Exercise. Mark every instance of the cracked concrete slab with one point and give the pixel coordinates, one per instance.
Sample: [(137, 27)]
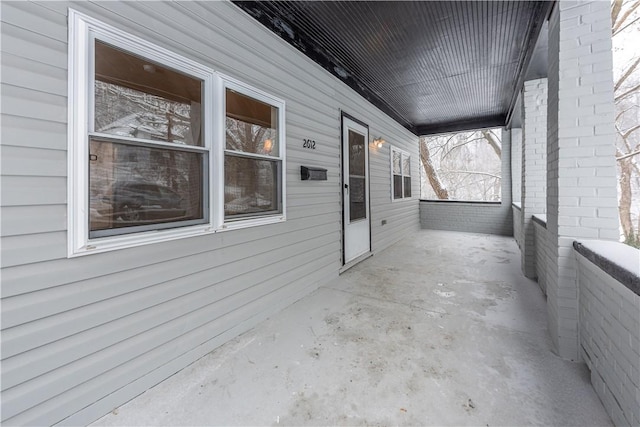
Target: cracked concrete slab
[(440, 329)]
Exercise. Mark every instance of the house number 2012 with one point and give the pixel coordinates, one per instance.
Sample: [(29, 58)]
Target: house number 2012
[(309, 143)]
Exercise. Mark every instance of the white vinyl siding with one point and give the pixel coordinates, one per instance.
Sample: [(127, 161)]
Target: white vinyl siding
[(84, 335)]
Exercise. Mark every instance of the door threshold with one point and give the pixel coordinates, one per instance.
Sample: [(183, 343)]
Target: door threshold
[(355, 261)]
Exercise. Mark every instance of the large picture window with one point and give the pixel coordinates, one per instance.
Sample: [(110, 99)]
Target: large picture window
[(162, 147)]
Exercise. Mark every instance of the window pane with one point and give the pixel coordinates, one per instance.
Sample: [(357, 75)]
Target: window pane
[(397, 187), (406, 165), (252, 126), (250, 186), (396, 162), (356, 153), (407, 186), (138, 98), (357, 198), (135, 186)]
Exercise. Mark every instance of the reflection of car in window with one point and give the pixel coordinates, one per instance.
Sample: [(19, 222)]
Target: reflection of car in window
[(140, 202)]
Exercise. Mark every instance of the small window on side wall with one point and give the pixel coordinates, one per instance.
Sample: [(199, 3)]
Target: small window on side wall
[(400, 174)]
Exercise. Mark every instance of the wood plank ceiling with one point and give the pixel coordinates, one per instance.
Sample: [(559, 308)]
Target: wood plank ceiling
[(433, 66)]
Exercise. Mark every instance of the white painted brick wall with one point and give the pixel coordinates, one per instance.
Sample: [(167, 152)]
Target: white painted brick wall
[(579, 129), (610, 341), (516, 164), (534, 167), (517, 226), (468, 217), (542, 254)]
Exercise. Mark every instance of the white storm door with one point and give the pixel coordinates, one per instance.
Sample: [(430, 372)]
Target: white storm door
[(355, 180)]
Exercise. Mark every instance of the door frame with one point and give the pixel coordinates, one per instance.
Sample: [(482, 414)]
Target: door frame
[(344, 115)]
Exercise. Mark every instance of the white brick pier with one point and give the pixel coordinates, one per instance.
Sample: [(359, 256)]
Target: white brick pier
[(581, 173), (534, 167)]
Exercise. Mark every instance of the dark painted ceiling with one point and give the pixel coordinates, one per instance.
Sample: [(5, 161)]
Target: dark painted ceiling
[(433, 66)]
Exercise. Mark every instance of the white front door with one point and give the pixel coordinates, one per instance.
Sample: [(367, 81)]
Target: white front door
[(355, 183)]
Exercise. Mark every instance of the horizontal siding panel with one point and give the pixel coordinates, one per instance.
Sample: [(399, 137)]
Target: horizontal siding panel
[(18, 220), (320, 157), (322, 187), (33, 190), (314, 200), (35, 18), (62, 379), (235, 322), (26, 73), (33, 248), (118, 320), (25, 161), (21, 280), (305, 211), (300, 123), (23, 102), (36, 47), (27, 132), (229, 264)]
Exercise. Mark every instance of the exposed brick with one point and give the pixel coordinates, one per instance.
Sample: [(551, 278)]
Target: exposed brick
[(610, 337)]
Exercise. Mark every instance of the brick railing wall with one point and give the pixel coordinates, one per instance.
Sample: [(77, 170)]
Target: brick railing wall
[(609, 326), (542, 250), (471, 217), (517, 224)]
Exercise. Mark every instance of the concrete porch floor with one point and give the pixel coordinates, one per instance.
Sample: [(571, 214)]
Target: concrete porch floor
[(440, 329)]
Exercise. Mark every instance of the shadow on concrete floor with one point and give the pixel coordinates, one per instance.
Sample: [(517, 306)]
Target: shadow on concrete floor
[(441, 329)]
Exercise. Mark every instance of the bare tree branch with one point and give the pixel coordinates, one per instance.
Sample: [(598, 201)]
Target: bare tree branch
[(626, 156), (493, 141), (616, 7), (621, 21), (626, 74), (628, 132), (459, 145), (627, 93), (434, 180), (476, 173), (626, 26)]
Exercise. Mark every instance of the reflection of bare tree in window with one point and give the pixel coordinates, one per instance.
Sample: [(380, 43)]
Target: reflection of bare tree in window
[(250, 184), (462, 166), (128, 112)]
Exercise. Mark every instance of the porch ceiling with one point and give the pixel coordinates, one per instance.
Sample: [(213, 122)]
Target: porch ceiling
[(433, 66)]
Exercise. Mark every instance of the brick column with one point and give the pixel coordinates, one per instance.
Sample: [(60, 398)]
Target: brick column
[(534, 167), (581, 170), (516, 165)]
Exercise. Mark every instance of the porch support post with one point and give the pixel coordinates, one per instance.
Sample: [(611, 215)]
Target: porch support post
[(581, 170), (534, 167)]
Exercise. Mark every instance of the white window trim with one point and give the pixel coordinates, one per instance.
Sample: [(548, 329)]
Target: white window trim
[(245, 89), (82, 30), (403, 154)]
